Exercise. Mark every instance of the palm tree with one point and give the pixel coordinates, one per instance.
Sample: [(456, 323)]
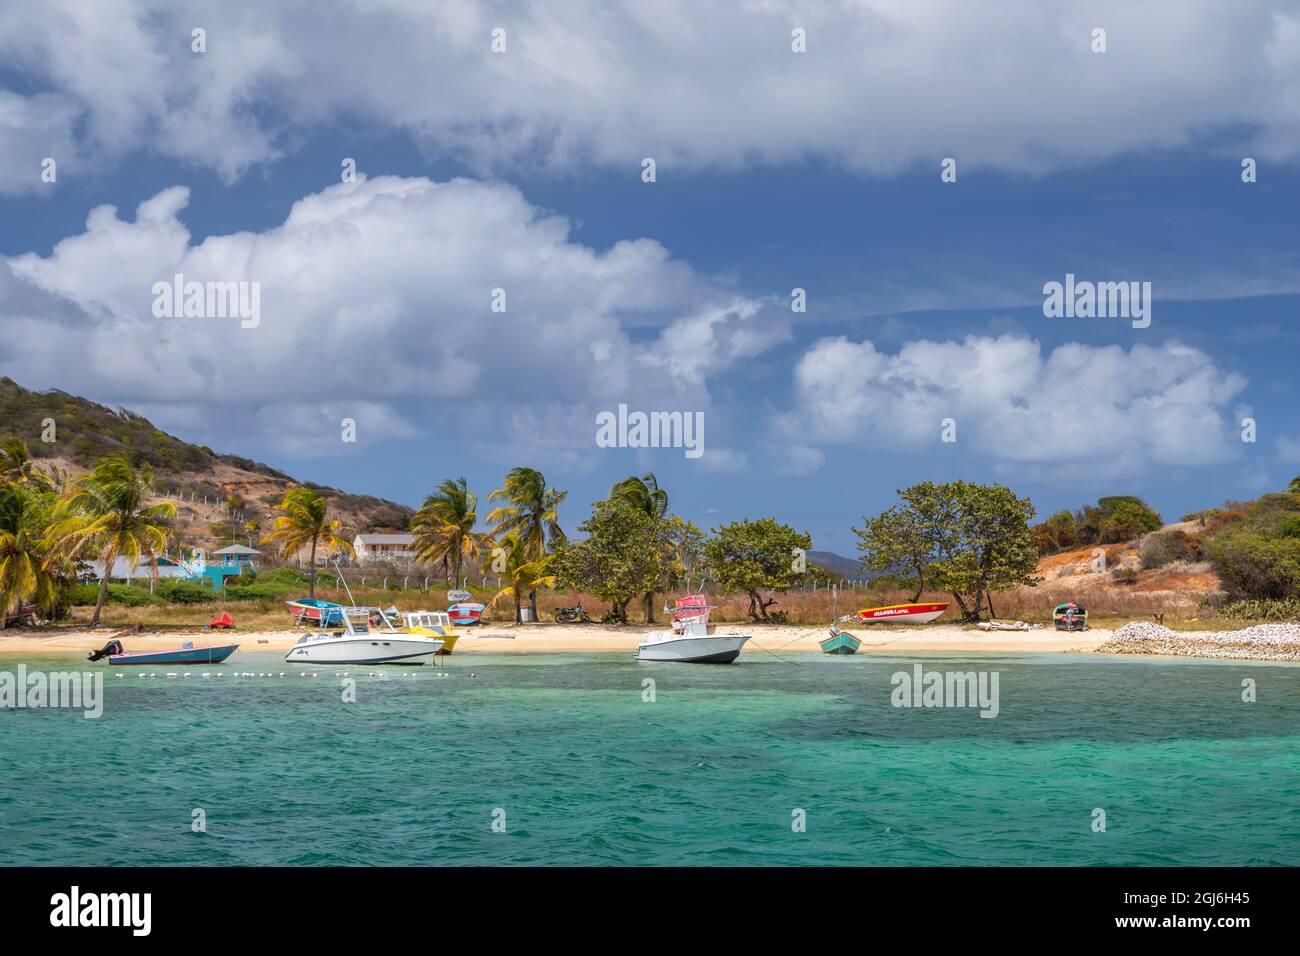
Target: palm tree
[(305, 526), (444, 526), (24, 572), (18, 467), (523, 573), (532, 514), (643, 494), (105, 514)]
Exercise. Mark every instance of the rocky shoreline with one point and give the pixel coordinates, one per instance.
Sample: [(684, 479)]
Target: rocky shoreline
[(1262, 642)]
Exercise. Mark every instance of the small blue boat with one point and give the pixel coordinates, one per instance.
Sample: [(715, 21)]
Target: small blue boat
[(840, 642), (183, 655), (315, 611)]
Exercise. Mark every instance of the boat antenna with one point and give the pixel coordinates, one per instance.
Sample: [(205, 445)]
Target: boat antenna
[(351, 600)]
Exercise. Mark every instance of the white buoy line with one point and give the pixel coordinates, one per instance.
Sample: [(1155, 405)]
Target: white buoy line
[(208, 675)]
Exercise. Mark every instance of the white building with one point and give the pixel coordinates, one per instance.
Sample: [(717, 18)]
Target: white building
[(370, 548)]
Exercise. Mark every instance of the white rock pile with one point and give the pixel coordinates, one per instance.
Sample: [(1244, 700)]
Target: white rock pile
[(1265, 642)]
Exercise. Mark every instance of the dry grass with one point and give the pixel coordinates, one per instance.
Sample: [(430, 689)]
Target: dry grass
[(1105, 603)]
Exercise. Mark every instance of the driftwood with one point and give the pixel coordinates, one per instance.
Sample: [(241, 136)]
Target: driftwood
[(1002, 626)]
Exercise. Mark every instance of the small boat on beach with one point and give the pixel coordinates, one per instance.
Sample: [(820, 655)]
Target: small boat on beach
[(432, 624), (314, 611), (1070, 617), (368, 636), (466, 613), (840, 642), (187, 653), (902, 613), (691, 640)]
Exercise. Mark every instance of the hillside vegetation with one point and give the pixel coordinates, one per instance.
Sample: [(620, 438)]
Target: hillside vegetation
[(215, 494)]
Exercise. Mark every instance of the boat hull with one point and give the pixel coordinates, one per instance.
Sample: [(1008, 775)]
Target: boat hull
[(189, 655), (365, 649), (713, 649), (448, 640), (466, 614), (902, 613), (842, 643)]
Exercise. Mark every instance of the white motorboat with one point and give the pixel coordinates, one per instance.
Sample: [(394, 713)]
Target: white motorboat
[(692, 639), (367, 637)]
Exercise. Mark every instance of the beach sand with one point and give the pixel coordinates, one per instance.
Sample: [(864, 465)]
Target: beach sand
[(578, 638)]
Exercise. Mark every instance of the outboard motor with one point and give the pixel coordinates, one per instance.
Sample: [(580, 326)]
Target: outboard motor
[(111, 649)]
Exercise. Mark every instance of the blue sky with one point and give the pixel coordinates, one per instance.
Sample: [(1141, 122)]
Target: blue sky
[(924, 297)]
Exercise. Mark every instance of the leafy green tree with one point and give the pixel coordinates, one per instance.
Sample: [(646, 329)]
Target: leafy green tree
[(757, 556), (104, 514), (904, 540), (305, 525), (967, 539), (993, 548), (1115, 519), (618, 560), (1058, 533)]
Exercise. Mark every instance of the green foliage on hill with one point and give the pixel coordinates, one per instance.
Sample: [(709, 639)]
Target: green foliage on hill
[(1259, 555), (1112, 520), (86, 431)]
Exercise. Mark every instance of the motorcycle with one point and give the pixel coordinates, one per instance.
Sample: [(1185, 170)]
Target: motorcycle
[(572, 615)]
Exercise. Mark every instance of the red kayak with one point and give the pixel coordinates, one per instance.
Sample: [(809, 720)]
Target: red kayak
[(903, 613)]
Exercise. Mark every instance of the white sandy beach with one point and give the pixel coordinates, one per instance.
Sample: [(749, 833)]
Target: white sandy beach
[(583, 638)]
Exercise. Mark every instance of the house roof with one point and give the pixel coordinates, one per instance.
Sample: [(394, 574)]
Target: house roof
[(167, 568), (383, 539), (237, 549)]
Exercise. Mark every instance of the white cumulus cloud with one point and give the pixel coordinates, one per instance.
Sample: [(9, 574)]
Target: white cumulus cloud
[(1110, 408), (376, 305), (884, 83)]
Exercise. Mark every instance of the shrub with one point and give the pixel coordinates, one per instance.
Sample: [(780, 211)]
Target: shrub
[(1125, 576), (128, 596), (1258, 556), (1287, 609), (1166, 547), (183, 592)]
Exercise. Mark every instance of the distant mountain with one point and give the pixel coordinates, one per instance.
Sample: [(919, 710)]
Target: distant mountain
[(202, 482), (838, 564)]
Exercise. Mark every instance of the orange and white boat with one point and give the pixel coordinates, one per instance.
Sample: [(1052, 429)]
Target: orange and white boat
[(902, 613)]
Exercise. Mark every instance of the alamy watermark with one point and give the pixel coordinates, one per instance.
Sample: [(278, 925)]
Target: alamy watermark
[(75, 908), (651, 430), (1098, 300), (922, 688), (208, 300), (39, 690)]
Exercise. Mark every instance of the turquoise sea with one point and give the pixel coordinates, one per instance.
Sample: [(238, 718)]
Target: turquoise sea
[(583, 770)]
